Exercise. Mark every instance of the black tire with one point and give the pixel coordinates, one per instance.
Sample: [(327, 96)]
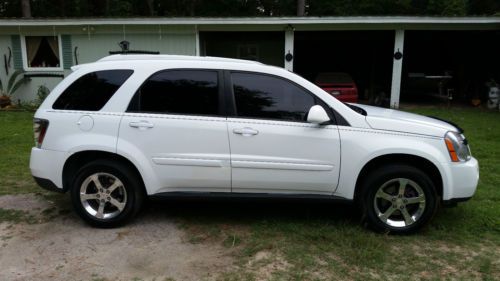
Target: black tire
[(131, 186), (389, 178)]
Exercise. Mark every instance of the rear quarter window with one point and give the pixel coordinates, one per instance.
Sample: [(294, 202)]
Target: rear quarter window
[(92, 91)]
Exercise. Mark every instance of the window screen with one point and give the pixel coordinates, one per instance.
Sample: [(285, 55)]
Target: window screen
[(190, 92), (268, 97), (92, 91)]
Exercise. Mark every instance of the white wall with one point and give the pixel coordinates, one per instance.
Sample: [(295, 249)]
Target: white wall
[(26, 92), (96, 46), (4, 44)]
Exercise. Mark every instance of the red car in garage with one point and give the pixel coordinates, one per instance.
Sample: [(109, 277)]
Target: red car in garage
[(338, 84)]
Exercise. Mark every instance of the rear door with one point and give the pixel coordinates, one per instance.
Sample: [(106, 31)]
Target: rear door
[(176, 125), (273, 148)]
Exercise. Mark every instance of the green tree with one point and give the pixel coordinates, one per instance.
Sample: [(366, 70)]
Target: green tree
[(360, 7), (447, 7), (484, 7), (246, 8)]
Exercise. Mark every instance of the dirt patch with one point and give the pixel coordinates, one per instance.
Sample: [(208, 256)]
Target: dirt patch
[(64, 248), (26, 202), (265, 263)]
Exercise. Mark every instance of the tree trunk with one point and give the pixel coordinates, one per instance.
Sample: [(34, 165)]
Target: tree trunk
[(192, 8), (25, 8), (62, 8), (107, 7), (301, 8), (151, 8)]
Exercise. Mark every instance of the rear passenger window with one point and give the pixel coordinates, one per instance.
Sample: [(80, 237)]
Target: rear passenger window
[(268, 97), (92, 91), (190, 92)]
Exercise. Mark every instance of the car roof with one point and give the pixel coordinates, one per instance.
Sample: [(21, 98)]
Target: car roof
[(135, 57), (157, 62)]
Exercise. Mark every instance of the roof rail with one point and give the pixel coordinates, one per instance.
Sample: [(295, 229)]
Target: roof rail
[(125, 57)]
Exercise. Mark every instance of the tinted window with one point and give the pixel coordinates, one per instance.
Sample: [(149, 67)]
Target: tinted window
[(193, 92), (268, 97), (92, 91)]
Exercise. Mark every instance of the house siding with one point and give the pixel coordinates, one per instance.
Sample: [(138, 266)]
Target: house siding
[(94, 46)]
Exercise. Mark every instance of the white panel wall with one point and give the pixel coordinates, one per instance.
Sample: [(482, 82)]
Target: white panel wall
[(4, 44), (94, 47)]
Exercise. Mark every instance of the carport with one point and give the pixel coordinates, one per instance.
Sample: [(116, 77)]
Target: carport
[(423, 59), (449, 64), (266, 47), (409, 58), (364, 55)]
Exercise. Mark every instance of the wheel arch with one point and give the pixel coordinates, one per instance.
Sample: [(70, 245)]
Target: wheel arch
[(78, 159), (419, 162)]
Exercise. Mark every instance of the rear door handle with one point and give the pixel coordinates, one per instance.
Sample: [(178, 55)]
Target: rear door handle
[(246, 132), (141, 125)]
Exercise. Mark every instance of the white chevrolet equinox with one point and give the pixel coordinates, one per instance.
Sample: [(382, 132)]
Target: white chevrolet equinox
[(131, 126)]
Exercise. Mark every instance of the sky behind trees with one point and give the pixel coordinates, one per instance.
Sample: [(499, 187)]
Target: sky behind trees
[(241, 8)]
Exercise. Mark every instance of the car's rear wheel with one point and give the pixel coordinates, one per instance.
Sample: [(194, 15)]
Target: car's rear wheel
[(398, 199), (106, 193)]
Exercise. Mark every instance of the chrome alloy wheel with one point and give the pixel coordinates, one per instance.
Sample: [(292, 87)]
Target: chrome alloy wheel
[(399, 202), (103, 195)]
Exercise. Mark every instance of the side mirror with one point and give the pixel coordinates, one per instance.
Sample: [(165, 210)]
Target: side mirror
[(317, 115)]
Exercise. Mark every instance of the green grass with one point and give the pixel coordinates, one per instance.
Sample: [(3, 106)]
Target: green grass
[(323, 242), (292, 241), (16, 216), (16, 140)]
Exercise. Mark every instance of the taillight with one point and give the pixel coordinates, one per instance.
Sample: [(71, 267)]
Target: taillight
[(39, 129)]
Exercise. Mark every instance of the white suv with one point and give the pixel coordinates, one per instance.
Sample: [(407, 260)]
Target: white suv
[(131, 126)]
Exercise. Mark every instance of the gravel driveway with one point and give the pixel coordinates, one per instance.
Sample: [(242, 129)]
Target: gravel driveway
[(64, 248)]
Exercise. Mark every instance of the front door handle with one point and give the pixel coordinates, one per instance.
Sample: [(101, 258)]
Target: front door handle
[(141, 125), (246, 132)]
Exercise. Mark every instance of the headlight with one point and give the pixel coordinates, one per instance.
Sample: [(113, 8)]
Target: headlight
[(457, 147)]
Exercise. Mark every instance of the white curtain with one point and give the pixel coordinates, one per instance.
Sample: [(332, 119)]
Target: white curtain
[(32, 45)]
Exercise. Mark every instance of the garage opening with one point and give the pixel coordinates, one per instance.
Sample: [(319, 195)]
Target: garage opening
[(366, 56), (449, 66), (265, 47)]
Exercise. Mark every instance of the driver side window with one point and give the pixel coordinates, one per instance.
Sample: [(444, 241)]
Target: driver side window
[(267, 97)]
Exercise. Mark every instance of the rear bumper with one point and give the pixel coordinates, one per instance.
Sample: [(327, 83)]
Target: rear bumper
[(46, 168), (47, 184)]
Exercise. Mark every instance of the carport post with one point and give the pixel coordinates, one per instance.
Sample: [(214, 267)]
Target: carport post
[(397, 67), (289, 38)]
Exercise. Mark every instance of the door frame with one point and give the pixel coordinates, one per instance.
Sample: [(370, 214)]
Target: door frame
[(222, 110), (230, 101)]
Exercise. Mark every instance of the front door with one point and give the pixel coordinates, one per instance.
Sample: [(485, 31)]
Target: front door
[(175, 124), (273, 148)]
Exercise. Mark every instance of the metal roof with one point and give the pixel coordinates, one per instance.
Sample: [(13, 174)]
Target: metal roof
[(253, 21), (254, 24)]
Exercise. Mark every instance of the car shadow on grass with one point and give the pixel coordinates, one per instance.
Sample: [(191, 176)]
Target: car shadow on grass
[(249, 211)]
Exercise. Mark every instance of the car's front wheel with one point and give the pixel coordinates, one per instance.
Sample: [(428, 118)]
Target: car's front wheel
[(106, 193), (398, 199)]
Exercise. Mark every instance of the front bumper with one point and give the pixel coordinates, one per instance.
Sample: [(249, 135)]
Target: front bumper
[(462, 180), (46, 167)]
